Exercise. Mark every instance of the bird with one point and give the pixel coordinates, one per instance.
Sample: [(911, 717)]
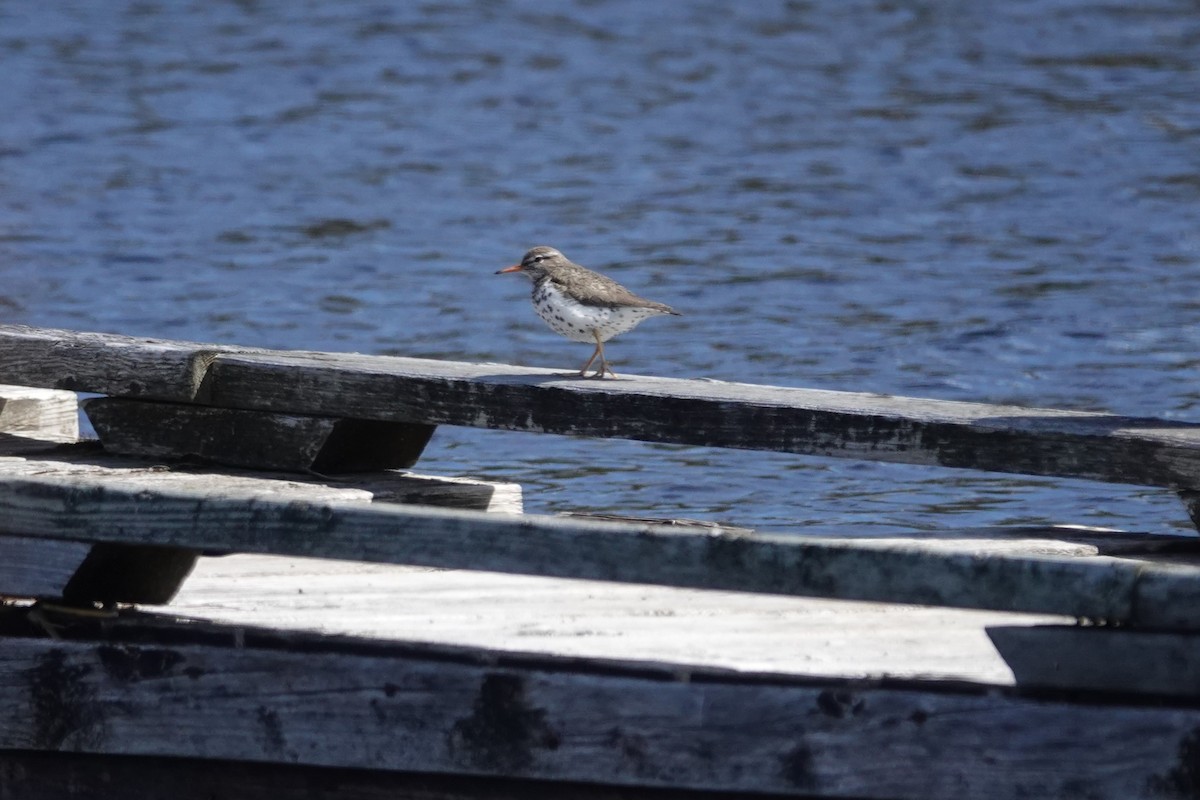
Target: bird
[(583, 305)]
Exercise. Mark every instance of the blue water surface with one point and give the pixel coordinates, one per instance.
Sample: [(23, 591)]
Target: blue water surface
[(960, 200)]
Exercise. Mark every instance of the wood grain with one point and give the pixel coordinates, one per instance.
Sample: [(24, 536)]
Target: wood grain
[(712, 413), (47, 414), (87, 463), (968, 569), (699, 412), (607, 724), (592, 619), (38, 568), (37, 421), (104, 363)]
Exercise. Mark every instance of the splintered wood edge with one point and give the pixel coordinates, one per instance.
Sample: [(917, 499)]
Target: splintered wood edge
[(608, 726), (967, 575)]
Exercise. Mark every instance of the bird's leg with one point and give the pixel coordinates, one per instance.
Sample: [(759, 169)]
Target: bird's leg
[(603, 361), (596, 352)]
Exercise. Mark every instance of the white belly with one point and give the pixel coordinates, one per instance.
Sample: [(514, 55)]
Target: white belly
[(581, 323)]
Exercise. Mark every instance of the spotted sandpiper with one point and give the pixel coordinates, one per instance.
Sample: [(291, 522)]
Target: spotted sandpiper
[(582, 305)]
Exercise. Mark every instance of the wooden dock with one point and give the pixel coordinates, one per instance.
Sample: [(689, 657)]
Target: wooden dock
[(240, 589)]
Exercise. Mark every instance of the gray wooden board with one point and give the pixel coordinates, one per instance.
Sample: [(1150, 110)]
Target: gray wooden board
[(38, 568), (41, 568), (254, 439), (1052, 573), (103, 363), (607, 724), (698, 412), (592, 619), (48, 414), (720, 414), (89, 465)]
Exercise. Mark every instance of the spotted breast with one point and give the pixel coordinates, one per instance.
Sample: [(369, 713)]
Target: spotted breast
[(581, 322)]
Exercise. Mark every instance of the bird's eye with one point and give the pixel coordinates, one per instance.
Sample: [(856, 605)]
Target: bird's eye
[(536, 259)]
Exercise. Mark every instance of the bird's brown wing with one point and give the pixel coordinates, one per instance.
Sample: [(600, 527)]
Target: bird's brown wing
[(599, 290)]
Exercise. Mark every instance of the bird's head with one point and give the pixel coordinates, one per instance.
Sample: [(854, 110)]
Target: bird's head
[(537, 263)]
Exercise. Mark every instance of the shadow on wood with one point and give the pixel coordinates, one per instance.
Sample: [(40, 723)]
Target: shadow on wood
[(1118, 661), (255, 439), (124, 573), (35, 775)]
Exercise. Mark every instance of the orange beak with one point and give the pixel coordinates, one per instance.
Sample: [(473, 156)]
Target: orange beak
[(513, 268)]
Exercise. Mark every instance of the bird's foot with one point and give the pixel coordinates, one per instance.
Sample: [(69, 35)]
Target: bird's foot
[(599, 374)]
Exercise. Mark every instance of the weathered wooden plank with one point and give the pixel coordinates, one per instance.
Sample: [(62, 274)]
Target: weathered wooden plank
[(148, 572), (255, 439), (87, 463), (732, 630), (713, 413), (700, 412), (47, 414), (968, 572), (1114, 660), (606, 724), (104, 363), (38, 568), (36, 421)]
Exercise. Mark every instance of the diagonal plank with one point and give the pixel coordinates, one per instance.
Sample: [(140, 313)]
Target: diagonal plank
[(1104, 447), (965, 570)]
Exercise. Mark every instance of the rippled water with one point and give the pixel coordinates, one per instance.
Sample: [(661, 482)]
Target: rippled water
[(952, 199)]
